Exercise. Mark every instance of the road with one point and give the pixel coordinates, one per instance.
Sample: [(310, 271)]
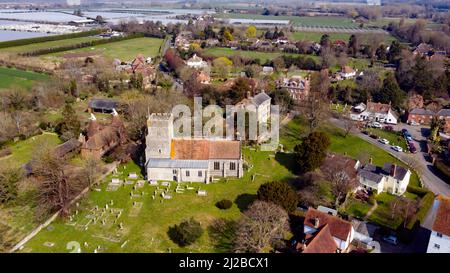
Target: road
[(417, 161)]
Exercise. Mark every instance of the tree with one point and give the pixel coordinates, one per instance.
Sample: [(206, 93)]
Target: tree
[(315, 108), (91, 170), (341, 184), (390, 92), (403, 208), (186, 233), (251, 32), (239, 90), (325, 40), (349, 123), (9, 177), (222, 66), (353, 45), (437, 125), (261, 224), (312, 151), (56, 187), (224, 204), (278, 63), (70, 126), (227, 36), (279, 193)]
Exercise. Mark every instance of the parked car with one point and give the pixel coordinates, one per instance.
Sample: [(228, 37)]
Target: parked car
[(376, 125), (365, 132), (412, 147), (397, 148), (391, 239), (413, 123), (384, 141), (404, 131), (373, 136)]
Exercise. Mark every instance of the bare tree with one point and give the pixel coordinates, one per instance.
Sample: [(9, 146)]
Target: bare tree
[(56, 187), (315, 107), (91, 170), (349, 123), (404, 208), (259, 226)]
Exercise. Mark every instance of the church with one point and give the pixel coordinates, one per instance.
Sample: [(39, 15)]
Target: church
[(188, 160)]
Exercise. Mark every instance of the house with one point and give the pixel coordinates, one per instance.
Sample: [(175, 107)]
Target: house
[(423, 49), (444, 114), (261, 102), (100, 139), (347, 72), (194, 160), (102, 105), (297, 86), (203, 77), (182, 40), (138, 66), (196, 62), (374, 112), (340, 162), (420, 116), (316, 227), (391, 178), (440, 232)]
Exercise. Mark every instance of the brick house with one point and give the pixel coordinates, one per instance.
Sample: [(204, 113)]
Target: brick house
[(421, 116), (445, 115)]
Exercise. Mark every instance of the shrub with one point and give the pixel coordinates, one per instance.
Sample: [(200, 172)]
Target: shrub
[(224, 204), (279, 193), (5, 152), (442, 168), (108, 159), (186, 233)]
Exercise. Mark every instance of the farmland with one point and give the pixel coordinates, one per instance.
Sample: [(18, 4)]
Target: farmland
[(123, 50), (315, 36), (50, 44), (13, 77), (263, 56)]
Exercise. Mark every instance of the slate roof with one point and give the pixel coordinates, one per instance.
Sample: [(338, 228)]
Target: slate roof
[(339, 228), (67, 147), (260, 98), (400, 172), (170, 163), (421, 111), (444, 112), (103, 104), (376, 173)]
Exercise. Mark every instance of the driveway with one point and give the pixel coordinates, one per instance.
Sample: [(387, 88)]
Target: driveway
[(417, 161)]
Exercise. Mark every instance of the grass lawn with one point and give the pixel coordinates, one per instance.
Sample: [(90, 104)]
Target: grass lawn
[(394, 138), (147, 231), (357, 208), (124, 50), (23, 151), (13, 77), (263, 56), (59, 43), (315, 36)]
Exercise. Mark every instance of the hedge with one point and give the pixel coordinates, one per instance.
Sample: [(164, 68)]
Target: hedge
[(421, 192), (81, 45), (425, 204), (28, 41), (442, 168)]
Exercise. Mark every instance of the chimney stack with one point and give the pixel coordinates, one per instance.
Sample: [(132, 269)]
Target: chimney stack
[(370, 160), (393, 170)]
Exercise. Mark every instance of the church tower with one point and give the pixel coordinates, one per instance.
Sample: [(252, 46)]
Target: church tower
[(159, 137)]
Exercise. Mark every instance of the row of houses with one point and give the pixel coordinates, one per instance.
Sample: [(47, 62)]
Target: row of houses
[(425, 116), (374, 111)]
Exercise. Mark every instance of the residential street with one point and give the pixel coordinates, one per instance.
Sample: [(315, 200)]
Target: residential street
[(417, 161)]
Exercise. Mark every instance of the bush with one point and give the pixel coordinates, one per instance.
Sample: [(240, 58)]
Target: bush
[(417, 191), (108, 159), (5, 152), (224, 204), (442, 168), (279, 193), (186, 233)]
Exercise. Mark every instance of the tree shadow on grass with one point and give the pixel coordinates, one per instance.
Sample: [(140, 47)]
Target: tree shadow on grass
[(222, 233), (244, 200), (288, 161)]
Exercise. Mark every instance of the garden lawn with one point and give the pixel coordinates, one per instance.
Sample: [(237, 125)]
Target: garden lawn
[(123, 50), (263, 56), (394, 138), (50, 44), (23, 151), (13, 77), (147, 232)]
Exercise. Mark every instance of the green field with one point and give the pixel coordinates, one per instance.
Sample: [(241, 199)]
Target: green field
[(14, 77), (315, 36), (263, 56), (59, 43), (333, 21), (124, 50), (23, 151)]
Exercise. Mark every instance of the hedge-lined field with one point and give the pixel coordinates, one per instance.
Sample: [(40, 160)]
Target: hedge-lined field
[(10, 77), (29, 41)]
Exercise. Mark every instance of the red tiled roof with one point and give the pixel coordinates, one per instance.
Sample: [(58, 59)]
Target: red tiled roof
[(322, 242), (199, 149), (377, 107), (338, 228), (442, 220)]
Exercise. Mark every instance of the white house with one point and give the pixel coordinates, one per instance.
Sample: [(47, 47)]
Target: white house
[(341, 231), (440, 232), (196, 62), (347, 72), (374, 112), (391, 178), (261, 102), (195, 160)]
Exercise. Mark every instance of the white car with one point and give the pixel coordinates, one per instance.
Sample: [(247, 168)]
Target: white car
[(384, 141), (376, 125), (397, 148), (413, 123)]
